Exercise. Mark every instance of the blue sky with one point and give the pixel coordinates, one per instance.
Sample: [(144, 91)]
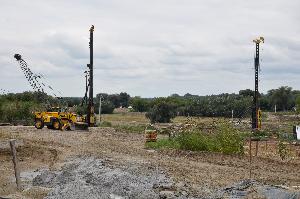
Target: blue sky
[(151, 47)]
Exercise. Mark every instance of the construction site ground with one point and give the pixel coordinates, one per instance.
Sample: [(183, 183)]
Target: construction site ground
[(122, 156)]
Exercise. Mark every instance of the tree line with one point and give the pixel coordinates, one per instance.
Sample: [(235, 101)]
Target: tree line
[(20, 106)]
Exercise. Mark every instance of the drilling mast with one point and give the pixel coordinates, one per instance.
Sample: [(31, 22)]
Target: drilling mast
[(90, 111), (255, 107)]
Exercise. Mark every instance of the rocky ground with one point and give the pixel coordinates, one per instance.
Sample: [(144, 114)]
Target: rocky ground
[(102, 163)]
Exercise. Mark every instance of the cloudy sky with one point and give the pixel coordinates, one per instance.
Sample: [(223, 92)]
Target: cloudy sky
[(151, 47)]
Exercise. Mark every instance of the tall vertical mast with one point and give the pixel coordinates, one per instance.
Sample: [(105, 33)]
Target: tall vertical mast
[(255, 97), (90, 114)]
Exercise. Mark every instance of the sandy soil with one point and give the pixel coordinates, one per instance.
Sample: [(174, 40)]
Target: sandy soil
[(203, 172)]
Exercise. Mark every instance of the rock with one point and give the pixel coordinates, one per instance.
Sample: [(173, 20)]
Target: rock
[(45, 179), (184, 193), (166, 194), (163, 186)]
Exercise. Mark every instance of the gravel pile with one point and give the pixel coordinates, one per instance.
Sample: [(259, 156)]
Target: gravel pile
[(254, 189), (92, 178)]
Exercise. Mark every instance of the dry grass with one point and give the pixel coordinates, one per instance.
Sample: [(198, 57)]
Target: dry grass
[(119, 118), (134, 117)]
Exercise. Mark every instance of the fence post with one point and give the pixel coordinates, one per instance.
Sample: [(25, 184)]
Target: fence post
[(250, 157), (15, 162), (256, 148)]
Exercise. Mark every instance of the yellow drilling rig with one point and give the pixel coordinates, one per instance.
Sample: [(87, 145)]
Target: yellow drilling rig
[(56, 117)]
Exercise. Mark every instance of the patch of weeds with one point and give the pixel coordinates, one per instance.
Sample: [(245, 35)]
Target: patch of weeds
[(283, 149), (288, 137), (225, 139), (228, 140), (163, 143), (195, 141)]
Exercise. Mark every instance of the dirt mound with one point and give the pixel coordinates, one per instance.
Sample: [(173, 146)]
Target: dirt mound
[(93, 178)]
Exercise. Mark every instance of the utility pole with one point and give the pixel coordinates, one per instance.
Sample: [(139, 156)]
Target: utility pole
[(90, 112), (255, 97)]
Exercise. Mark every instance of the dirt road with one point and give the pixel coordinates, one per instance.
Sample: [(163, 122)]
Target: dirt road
[(200, 173)]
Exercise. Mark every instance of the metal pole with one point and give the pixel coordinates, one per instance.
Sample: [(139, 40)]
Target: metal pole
[(100, 103), (90, 114), (255, 97)]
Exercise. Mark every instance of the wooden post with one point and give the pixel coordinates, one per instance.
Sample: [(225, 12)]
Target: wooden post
[(256, 148), (250, 157), (15, 161)]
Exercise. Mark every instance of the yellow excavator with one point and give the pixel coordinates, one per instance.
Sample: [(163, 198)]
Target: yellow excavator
[(58, 119)]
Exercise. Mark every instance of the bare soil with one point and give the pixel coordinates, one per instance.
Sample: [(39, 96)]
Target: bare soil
[(202, 172)]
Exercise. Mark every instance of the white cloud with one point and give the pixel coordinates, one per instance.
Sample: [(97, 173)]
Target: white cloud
[(151, 48)]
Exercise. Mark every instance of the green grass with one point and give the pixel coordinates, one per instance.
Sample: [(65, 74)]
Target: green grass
[(164, 143)]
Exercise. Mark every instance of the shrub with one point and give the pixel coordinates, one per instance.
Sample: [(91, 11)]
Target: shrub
[(225, 139), (161, 113), (106, 107), (17, 112), (283, 150), (229, 140), (194, 142), (139, 104), (164, 143)]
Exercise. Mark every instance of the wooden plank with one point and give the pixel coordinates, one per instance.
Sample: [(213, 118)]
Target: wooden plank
[(15, 162)]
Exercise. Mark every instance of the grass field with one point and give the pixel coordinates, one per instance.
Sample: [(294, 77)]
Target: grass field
[(133, 117)]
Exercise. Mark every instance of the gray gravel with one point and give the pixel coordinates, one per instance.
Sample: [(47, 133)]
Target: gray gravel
[(245, 188), (91, 178)]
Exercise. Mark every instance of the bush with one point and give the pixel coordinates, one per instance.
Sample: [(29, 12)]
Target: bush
[(161, 113), (139, 104), (18, 112), (226, 140), (229, 140), (283, 150), (107, 107)]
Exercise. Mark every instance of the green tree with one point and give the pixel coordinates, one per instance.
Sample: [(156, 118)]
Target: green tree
[(162, 112), (124, 99), (298, 104), (246, 92), (282, 98), (139, 104), (107, 107)]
